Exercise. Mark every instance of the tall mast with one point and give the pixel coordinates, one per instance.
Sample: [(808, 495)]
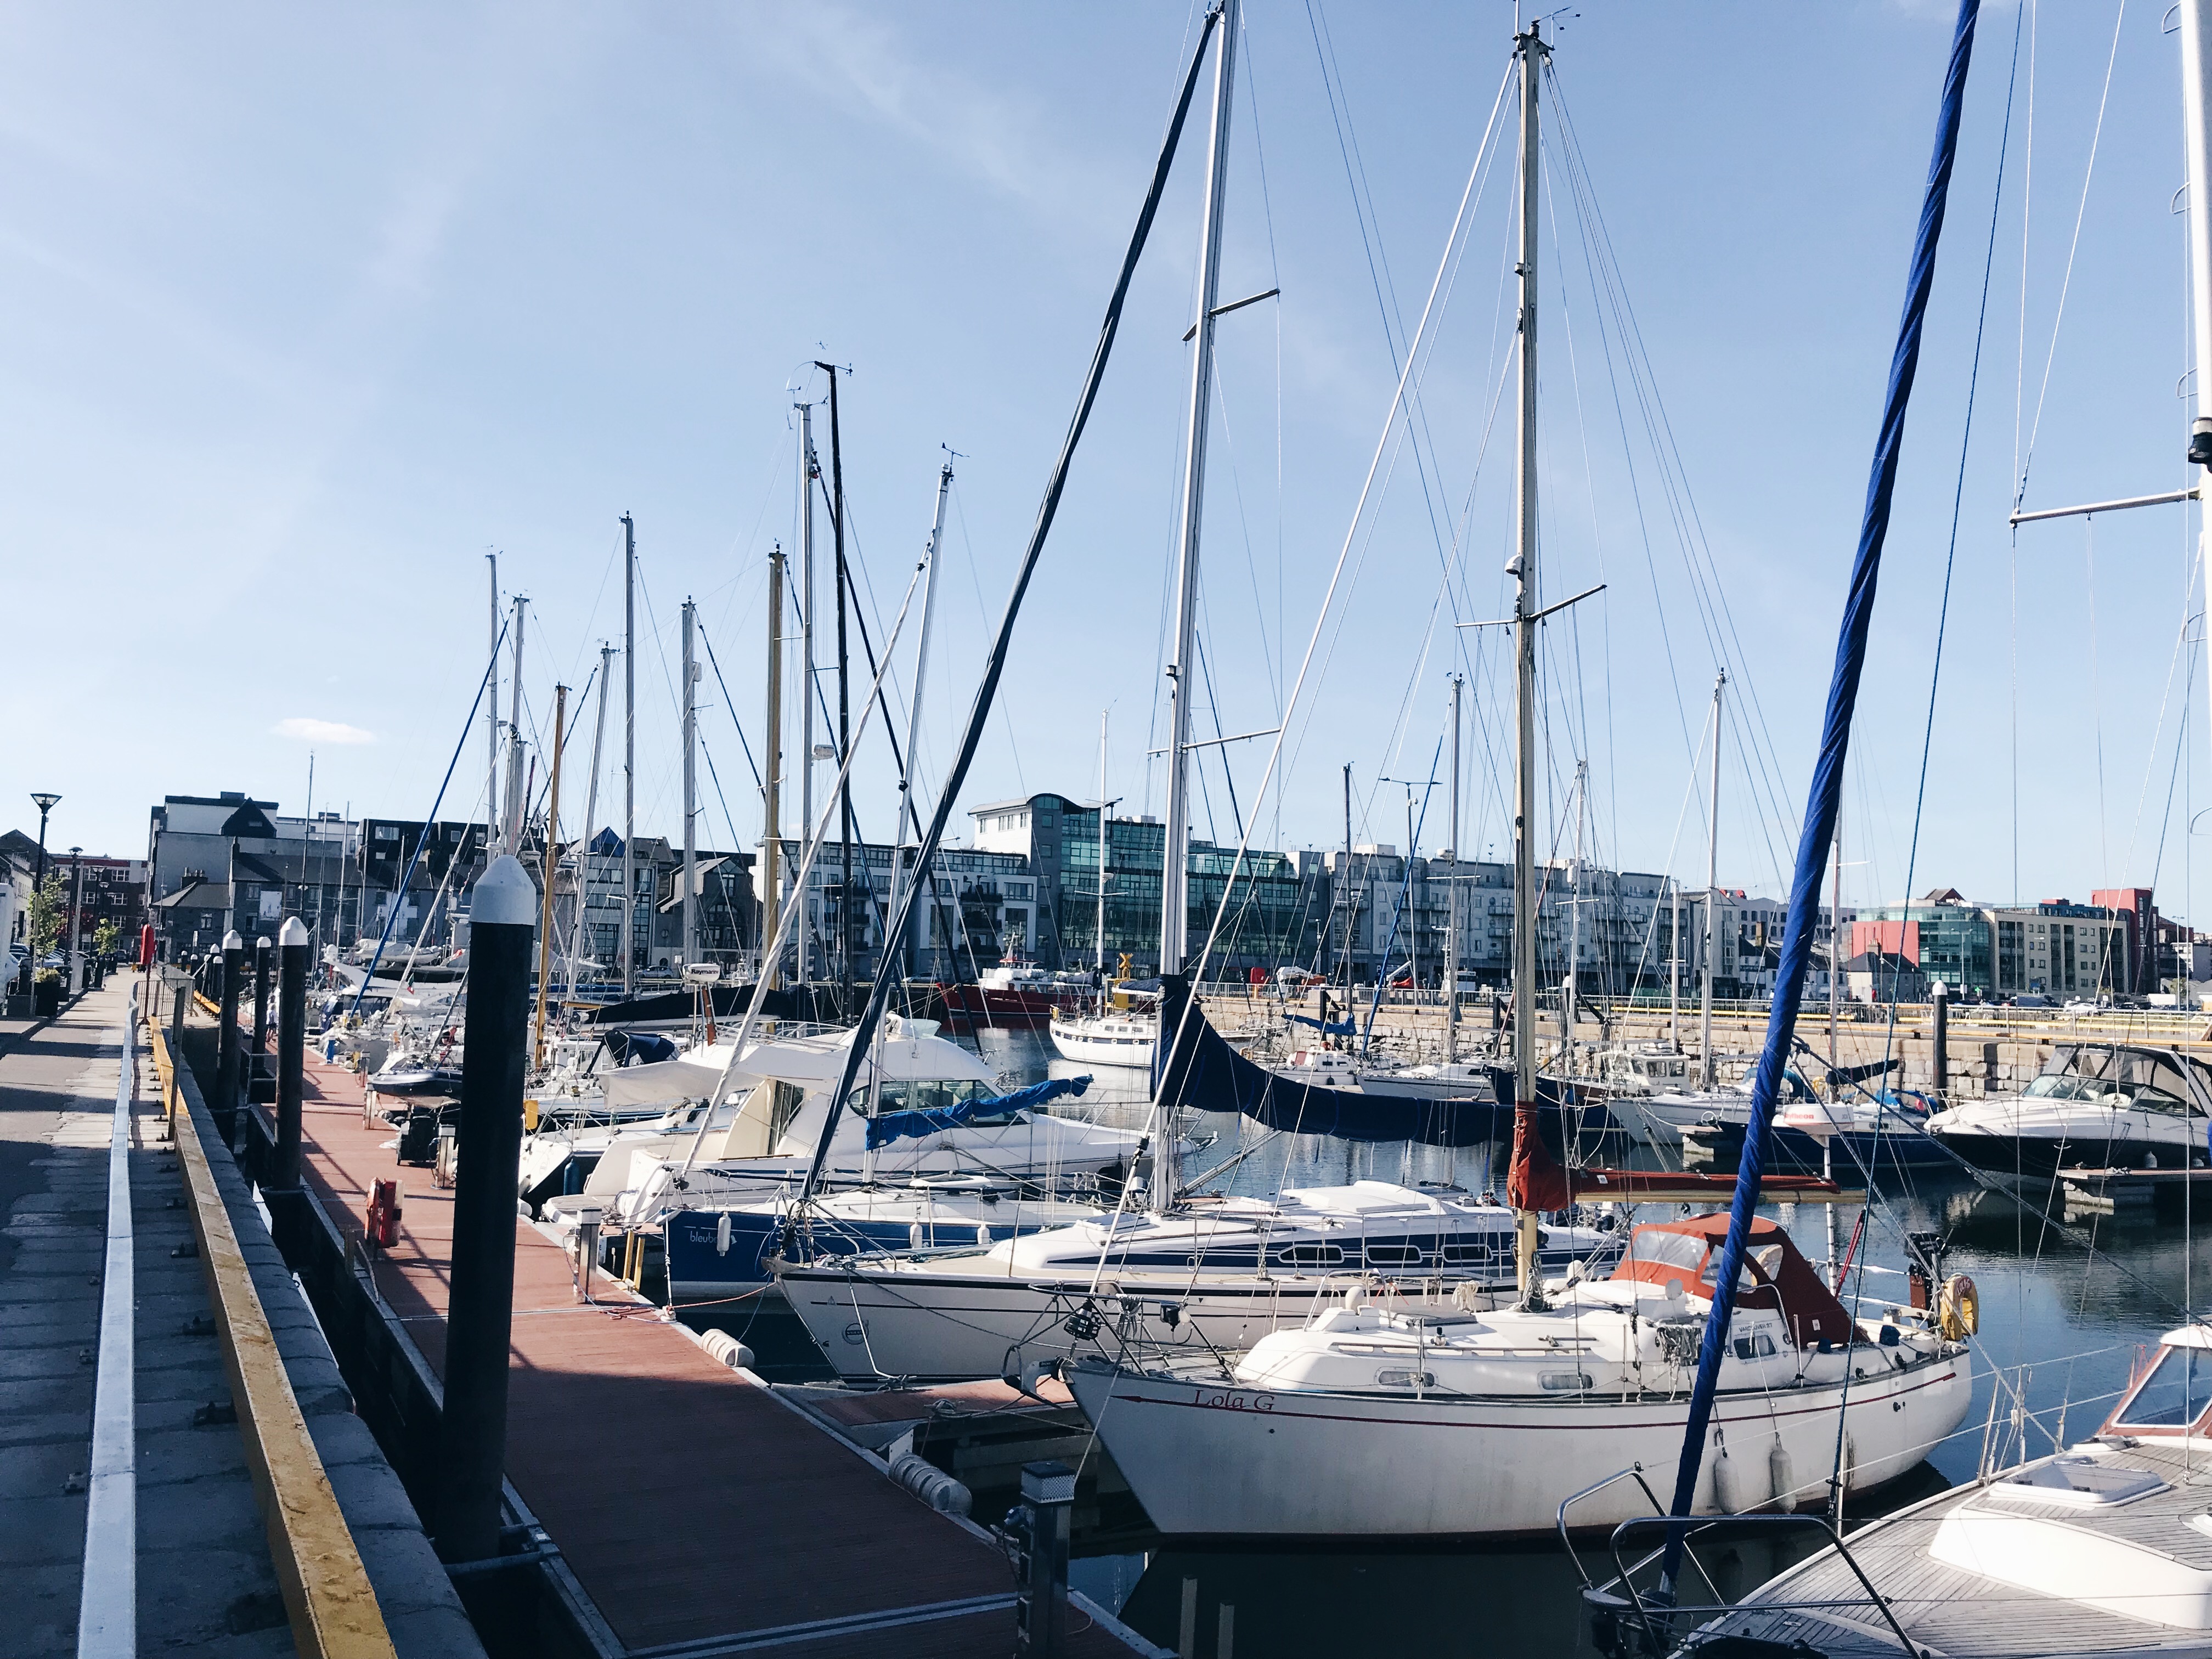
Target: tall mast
[(1571, 988), (1101, 953), (2196, 91), (590, 815), (1712, 897), (1451, 898), (516, 804), (1182, 680), (491, 709), (907, 814), (629, 752), (1674, 964), (1350, 905), (549, 865), (690, 789), (1523, 569), (845, 909), (807, 469), (771, 905)]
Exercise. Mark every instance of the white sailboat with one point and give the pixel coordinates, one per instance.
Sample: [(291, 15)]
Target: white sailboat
[(1105, 1036), (1453, 1417), (1460, 1418)]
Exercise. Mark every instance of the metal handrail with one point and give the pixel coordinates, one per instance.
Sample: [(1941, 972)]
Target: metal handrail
[(1718, 1522)]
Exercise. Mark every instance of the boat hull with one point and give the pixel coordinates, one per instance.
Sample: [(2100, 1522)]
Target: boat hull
[(1219, 1461), (1087, 1047), (872, 1324)]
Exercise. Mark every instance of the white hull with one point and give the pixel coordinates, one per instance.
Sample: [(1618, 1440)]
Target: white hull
[(1659, 1119), (1216, 1459), (927, 1328), (1456, 1085), (1108, 1042)]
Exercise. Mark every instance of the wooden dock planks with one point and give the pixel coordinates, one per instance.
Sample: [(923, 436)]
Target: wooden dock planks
[(691, 1503)]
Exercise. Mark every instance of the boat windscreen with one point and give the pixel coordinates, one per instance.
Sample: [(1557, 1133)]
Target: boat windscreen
[(2172, 1394)]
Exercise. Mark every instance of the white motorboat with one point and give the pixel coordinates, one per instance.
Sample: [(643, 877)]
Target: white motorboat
[(1451, 1417), (1111, 1038), (2095, 1106), (1210, 1277), (2103, 1547), (938, 1110)]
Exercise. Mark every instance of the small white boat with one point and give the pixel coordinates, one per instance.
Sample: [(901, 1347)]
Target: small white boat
[(1453, 1417), (1113, 1038)]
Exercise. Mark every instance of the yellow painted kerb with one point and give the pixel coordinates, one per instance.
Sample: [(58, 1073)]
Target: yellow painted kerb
[(332, 1604)]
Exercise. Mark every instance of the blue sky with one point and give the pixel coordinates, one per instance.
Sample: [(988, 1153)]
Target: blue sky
[(311, 309)]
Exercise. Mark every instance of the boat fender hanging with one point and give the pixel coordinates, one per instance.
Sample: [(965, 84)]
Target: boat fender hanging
[(722, 1234), (1958, 1308), (1731, 1489), (983, 1234), (913, 1236), (1782, 1476)]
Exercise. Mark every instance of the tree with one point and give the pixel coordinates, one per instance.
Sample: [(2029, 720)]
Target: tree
[(105, 938), (49, 911)]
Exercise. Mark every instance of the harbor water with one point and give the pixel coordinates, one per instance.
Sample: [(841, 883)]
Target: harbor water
[(2067, 1308)]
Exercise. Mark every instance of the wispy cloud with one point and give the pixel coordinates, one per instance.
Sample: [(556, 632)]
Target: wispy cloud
[(308, 731)]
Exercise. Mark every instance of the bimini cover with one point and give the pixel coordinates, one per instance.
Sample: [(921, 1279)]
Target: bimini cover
[(1775, 1274), (638, 1047), (1200, 1071), (886, 1126)]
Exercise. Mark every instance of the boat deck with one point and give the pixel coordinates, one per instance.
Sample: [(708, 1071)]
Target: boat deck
[(695, 1506), (1951, 1611)]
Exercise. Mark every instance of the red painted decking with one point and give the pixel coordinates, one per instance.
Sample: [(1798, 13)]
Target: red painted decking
[(691, 1503)]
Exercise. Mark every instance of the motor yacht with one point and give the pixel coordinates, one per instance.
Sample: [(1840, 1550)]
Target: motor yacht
[(2093, 1106)]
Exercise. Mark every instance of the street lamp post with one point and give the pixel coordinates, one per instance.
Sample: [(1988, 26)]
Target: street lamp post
[(76, 918), (44, 803)]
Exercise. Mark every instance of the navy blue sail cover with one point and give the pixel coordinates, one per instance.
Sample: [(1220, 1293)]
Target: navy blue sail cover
[(886, 1126), (1193, 1065)]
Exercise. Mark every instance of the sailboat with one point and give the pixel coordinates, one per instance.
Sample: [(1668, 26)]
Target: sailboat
[(1105, 1034), (1466, 1417), (1193, 1273)]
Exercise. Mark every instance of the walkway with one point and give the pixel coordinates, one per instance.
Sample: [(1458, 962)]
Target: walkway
[(206, 1583)]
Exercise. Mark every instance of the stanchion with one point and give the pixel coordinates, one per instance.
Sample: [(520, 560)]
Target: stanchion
[(480, 1311)]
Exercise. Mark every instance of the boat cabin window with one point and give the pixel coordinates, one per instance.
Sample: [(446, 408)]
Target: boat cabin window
[(1682, 1250), (926, 1095), (1758, 1346), (2172, 1394)]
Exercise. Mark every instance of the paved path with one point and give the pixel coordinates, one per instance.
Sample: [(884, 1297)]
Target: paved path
[(205, 1583)]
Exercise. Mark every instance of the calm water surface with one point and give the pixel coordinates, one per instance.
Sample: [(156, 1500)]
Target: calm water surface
[(2063, 1322)]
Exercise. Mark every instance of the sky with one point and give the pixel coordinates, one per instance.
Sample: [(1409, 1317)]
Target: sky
[(309, 310)]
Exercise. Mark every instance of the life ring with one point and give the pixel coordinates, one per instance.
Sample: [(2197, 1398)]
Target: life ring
[(1958, 1308)]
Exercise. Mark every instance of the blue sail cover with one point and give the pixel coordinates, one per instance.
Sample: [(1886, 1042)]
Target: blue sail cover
[(1820, 827), (1200, 1071), (886, 1126), (1327, 1028)]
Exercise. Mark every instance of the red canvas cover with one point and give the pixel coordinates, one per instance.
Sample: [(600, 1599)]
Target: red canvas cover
[(1785, 1281)]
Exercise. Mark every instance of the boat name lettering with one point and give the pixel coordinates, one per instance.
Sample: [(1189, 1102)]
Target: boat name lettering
[(1239, 1402)]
